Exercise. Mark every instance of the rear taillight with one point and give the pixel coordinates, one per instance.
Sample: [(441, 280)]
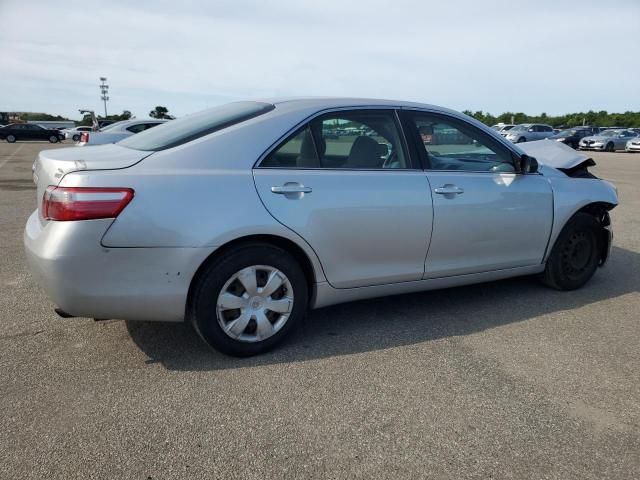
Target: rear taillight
[(80, 203), (84, 137)]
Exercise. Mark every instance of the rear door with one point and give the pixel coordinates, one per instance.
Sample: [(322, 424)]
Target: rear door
[(345, 183), (486, 216)]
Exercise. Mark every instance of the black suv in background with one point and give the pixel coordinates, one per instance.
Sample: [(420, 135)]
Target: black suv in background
[(29, 131), (571, 136)]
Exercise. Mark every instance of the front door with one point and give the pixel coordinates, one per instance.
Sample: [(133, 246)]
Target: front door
[(346, 185), (486, 216)]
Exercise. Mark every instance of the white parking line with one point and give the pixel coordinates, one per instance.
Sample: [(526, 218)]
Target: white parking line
[(4, 162)]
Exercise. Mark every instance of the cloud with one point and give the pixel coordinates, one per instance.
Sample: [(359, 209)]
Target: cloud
[(189, 55)]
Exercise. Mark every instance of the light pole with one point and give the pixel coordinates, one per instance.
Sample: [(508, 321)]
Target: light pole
[(104, 91)]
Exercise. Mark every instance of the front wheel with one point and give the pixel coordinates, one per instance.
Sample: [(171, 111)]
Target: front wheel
[(521, 140), (575, 255), (249, 299), (11, 138), (610, 147), (53, 139), (75, 138)]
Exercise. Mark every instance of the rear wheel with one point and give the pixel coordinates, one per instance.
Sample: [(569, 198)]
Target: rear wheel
[(249, 299), (11, 138), (575, 255)]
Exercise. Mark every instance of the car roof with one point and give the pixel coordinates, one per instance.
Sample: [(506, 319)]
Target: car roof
[(321, 103)]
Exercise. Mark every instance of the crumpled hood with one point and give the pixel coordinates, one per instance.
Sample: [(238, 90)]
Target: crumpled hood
[(554, 154)]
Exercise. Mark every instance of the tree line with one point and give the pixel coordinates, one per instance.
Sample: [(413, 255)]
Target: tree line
[(596, 119), (157, 112)]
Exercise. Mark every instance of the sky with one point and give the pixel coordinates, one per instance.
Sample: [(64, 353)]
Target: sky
[(492, 55)]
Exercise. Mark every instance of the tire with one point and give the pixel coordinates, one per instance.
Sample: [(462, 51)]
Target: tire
[(75, 138), (53, 139), (212, 319), (610, 147), (575, 255), (521, 140), (11, 138)]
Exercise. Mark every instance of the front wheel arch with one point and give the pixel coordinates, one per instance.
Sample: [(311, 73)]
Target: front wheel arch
[(600, 211)]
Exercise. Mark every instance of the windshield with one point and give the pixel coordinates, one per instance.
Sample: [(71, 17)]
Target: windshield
[(191, 127), (610, 133), (520, 127)]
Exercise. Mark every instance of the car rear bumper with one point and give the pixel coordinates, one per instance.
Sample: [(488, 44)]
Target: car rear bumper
[(86, 279)]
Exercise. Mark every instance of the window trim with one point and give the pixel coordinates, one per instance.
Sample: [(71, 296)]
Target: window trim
[(408, 113), (412, 162)]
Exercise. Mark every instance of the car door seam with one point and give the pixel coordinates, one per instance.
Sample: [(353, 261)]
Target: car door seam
[(255, 186)]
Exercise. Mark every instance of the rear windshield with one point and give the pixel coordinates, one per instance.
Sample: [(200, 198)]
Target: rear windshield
[(186, 129)]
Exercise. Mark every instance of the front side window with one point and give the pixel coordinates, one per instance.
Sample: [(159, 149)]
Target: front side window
[(451, 144)]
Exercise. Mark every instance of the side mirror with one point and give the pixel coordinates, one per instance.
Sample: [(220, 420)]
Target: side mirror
[(531, 129), (528, 165)]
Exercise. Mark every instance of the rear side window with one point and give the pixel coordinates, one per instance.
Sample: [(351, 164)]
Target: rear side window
[(296, 152), (189, 128), (357, 139), (136, 128)]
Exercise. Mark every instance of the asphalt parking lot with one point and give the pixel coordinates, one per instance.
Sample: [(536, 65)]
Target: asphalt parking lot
[(501, 380)]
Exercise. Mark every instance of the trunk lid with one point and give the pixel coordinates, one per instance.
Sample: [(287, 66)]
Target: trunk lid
[(52, 165)]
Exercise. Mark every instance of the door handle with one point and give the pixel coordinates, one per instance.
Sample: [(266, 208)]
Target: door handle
[(289, 188), (448, 189)]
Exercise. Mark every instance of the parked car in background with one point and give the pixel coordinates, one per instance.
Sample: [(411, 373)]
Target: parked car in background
[(117, 131), (528, 132), (633, 145), (74, 133), (240, 218), (608, 141), (572, 136), (503, 127), (29, 131)]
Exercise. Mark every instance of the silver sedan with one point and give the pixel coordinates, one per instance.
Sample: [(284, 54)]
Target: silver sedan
[(240, 218), (609, 140)]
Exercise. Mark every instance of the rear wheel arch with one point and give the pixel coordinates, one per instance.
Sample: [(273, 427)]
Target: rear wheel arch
[(259, 240)]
